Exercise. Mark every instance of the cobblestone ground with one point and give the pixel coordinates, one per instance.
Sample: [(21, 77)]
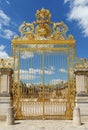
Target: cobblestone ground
[(43, 125)]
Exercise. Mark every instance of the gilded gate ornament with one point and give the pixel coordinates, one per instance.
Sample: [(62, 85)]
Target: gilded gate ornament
[(27, 30), (6, 62), (43, 16), (43, 28), (82, 63)]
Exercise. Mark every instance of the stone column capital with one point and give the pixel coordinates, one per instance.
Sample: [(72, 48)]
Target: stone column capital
[(6, 71), (81, 71)]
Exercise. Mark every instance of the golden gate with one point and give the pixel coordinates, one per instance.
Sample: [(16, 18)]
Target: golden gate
[(43, 81)]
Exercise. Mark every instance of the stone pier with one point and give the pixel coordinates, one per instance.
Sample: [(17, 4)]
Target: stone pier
[(82, 92), (5, 91)]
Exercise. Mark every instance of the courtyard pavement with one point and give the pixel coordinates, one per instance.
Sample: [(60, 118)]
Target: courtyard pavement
[(43, 125)]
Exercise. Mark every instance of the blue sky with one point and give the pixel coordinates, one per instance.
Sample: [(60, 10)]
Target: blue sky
[(73, 12)]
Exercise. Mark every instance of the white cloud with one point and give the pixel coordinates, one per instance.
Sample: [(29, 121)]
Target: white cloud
[(39, 71), (24, 75), (31, 74), (49, 72), (62, 70), (5, 21), (7, 2), (79, 13), (56, 81), (3, 53), (27, 54), (65, 1), (34, 71), (8, 34), (77, 2), (80, 2), (2, 47)]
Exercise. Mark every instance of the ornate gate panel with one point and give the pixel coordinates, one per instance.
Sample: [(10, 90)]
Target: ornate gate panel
[(43, 82)]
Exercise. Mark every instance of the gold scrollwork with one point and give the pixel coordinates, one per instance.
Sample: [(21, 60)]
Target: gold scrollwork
[(6, 63), (59, 31), (43, 28), (27, 30), (81, 64)]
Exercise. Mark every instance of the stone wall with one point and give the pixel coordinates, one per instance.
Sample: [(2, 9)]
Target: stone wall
[(82, 92), (5, 91)]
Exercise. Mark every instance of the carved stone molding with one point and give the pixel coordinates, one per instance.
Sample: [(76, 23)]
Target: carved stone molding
[(6, 71)]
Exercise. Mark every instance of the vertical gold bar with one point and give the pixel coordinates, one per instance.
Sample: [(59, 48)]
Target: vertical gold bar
[(19, 89), (43, 80), (68, 94), (19, 65)]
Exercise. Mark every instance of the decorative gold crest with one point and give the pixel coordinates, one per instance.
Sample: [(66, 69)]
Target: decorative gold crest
[(43, 28), (43, 16)]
